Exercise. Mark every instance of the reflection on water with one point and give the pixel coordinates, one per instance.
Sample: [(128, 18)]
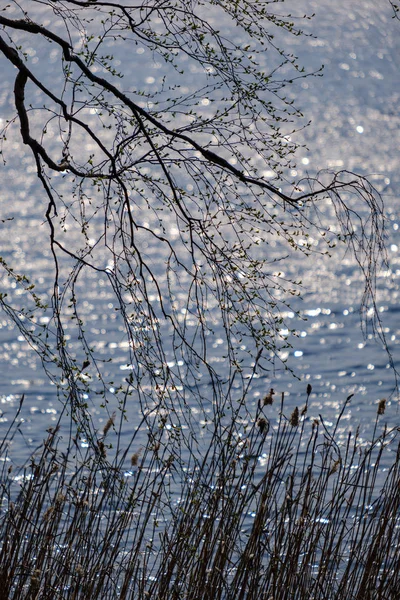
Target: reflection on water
[(354, 109)]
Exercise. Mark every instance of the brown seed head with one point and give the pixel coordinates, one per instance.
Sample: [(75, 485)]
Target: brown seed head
[(382, 406), (35, 579), (135, 458), (334, 467), (269, 398), (294, 418), (109, 424), (102, 448), (48, 514), (60, 498), (80, 570), (262, 424)]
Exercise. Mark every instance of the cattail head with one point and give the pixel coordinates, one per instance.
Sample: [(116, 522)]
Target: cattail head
[(382, 406), (294, 418), (309, 389)]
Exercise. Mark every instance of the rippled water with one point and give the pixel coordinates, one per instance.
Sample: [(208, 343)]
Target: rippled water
[(355, 116)]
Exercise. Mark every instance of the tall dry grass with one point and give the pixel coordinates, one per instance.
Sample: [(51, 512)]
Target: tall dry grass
[(272, 508)]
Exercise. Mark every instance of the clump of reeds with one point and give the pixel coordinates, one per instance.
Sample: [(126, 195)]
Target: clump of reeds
[(281, 507)]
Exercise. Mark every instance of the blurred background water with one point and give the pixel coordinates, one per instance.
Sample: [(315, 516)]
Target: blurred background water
[(354, 109)]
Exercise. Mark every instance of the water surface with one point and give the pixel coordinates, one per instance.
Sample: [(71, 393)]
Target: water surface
[(355, 125)]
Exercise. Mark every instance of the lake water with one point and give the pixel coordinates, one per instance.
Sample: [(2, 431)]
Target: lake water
[(355, 116)]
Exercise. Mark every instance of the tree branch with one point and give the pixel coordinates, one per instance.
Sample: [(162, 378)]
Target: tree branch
[(139, 113)]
